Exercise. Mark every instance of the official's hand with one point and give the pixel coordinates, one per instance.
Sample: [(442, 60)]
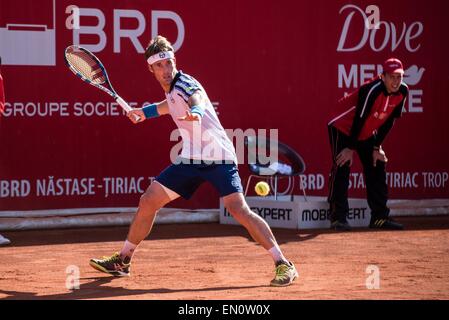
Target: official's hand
[(346, 155), (190, 117), (379, 155), (136, 113)]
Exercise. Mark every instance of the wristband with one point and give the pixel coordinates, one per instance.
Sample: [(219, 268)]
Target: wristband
[(198, 110), (150, 111)]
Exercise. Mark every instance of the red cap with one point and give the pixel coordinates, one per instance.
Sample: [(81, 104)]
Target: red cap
[(393, 65)]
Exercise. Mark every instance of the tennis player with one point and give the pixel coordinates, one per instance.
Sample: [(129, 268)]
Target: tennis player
[(210, 158)]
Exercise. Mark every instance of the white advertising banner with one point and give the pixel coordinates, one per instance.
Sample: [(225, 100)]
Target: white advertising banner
[(300, 212)]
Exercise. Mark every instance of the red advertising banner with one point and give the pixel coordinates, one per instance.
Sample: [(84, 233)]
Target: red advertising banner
[(264, 64)]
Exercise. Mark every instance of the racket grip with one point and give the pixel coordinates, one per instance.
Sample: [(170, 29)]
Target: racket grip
[(126, 106)]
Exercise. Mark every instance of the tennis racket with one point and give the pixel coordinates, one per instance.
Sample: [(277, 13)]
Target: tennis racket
[(89, 68)]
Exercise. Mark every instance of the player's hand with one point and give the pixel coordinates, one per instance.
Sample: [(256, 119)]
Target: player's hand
[(190, 117), (379, 155), (136, 113), (345, 156)]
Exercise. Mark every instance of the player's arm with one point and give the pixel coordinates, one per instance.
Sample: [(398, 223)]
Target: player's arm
[(148, 111), (162, 108), (196, 102)]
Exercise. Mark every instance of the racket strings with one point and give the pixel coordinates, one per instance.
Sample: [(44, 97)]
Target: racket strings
[(86, 66)]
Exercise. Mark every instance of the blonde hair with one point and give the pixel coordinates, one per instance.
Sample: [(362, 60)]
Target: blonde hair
[(156, 45)]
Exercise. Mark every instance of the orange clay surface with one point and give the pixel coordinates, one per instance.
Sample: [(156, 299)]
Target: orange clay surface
[(212, 261)]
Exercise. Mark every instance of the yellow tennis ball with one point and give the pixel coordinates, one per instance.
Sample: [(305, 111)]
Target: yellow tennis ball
[(262, 188)]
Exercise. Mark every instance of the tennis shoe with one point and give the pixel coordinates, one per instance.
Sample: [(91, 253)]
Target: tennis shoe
[(112, 265), (285, 274)]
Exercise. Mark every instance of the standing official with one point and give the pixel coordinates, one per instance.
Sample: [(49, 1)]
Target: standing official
[(365, 118)]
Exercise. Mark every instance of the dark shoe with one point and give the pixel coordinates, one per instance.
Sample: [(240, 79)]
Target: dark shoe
[(340, 226), (385, 224), (112, 265)]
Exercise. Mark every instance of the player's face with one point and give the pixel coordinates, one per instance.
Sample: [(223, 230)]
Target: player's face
[(392, 81), (164, 71)]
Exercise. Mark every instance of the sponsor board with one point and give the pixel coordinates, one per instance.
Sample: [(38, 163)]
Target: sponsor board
[(315, 214), (77, 139), (280, 213), (300, 212)]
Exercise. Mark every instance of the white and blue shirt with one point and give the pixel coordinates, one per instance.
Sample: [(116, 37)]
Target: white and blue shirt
[(201, 141)]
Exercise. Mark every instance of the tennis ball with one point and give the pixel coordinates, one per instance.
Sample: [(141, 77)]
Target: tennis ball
[(262, 188)]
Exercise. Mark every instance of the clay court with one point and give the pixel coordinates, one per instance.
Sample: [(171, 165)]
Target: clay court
[(212, 261)]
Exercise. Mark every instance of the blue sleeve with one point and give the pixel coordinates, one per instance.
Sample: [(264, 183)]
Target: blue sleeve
[(187, 86)]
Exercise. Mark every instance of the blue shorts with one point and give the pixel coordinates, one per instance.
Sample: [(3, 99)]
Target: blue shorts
[(184, 178)]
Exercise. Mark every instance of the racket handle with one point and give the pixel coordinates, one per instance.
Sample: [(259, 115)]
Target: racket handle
[(126, 106)]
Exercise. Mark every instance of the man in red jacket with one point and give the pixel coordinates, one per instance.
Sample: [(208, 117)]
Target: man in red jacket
[(3, 240), (365, 119)]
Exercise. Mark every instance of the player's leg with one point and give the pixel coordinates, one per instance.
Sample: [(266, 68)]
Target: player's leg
[(338, 183), (257, 227), (376, 190), (225, 178), (176, 180), (155, 197), (260, 231)]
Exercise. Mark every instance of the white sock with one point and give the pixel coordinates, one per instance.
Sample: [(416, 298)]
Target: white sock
[(127, 251), (276, 254)]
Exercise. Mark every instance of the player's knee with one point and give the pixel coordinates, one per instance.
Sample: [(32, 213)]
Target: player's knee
[(239, 211), (149, 202)]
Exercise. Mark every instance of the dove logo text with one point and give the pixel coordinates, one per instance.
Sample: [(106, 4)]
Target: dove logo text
[(387, 36)]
